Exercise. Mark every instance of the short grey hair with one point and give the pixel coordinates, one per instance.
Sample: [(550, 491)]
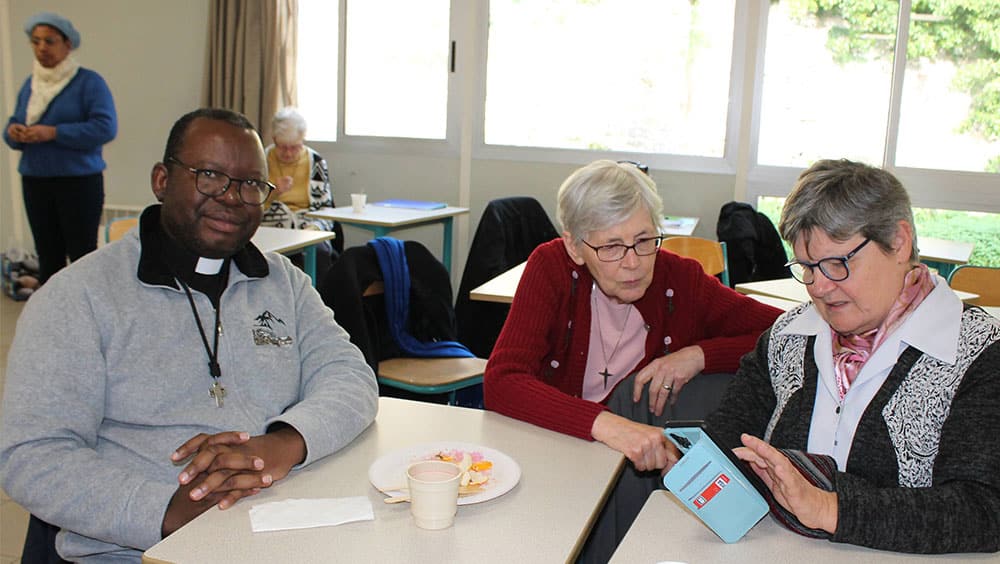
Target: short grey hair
[(603, 194), (288, 123), (842, 198)]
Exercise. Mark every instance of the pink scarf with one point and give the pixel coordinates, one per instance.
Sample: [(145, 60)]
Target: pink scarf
[(850, 352)]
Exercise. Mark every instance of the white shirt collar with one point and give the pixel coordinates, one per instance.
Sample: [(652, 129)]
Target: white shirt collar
[(932, 328)]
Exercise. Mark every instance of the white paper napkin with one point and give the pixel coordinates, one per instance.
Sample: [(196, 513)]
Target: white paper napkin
[(308, 513)]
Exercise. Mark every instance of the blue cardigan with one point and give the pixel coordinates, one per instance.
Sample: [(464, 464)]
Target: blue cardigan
[(85, 119)]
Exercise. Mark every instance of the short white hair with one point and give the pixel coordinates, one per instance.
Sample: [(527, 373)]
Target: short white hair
[(288, 124), (605, 193)]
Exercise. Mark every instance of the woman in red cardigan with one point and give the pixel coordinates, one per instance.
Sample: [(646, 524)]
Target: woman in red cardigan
[(603, 309)]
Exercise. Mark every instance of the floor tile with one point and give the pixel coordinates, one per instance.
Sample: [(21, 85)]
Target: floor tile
[(13, 518), (13, 526)]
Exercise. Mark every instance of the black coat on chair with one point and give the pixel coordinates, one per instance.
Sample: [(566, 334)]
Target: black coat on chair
[(507, 233), (753, 246), (431, 314)]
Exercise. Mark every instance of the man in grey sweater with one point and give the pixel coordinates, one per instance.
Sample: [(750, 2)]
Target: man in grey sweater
[(179, 367)]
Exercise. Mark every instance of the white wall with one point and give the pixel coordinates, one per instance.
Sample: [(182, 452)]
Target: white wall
[(152, 54)]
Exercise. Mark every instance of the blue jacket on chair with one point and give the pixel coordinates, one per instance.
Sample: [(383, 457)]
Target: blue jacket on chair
[(396, 278), (431, 314)]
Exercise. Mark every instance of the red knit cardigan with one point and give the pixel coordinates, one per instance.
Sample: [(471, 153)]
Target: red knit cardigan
[(536, 370)]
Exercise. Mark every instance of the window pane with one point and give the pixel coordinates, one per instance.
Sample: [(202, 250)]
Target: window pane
[(826, 84), (316, 67), (978, 228), (397, 68), (622, 75), (951, 95)]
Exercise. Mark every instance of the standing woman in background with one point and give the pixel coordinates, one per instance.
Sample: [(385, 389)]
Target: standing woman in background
[(303, 180), (64, 115)]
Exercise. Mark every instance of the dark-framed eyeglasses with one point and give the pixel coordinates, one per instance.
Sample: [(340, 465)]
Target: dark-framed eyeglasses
[(642, 168), (213, 183), (616, 252), (834, 268)]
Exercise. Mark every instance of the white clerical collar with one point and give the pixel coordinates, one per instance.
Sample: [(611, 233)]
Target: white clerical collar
[(208, 266)]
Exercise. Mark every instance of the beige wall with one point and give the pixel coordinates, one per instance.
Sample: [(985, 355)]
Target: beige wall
[(152, 55)]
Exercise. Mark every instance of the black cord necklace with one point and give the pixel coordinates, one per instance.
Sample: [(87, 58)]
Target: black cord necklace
[(217, 391), (607, 360)]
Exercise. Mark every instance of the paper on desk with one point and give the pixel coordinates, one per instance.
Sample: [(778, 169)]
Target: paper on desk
[(308, 513)]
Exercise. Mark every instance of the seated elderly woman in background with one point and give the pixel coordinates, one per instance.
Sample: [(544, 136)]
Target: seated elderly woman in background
[(885, 373), (605, 328), (302, 179)]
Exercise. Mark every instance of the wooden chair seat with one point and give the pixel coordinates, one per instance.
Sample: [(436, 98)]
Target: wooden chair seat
[(431, 375), (982, 280)]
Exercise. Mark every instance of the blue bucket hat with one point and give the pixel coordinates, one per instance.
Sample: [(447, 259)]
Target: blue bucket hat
[(54, 20)]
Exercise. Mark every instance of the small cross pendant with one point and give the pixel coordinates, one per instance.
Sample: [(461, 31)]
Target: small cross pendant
[(217, 392), (606, 375)]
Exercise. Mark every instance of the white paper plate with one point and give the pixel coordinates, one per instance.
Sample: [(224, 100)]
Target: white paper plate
[(389, 471)]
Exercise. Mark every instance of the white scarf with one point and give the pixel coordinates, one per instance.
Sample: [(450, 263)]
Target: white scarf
[(46, 84)]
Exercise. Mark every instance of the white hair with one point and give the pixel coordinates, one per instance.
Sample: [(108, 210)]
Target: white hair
[(288, 124), (605, 193)]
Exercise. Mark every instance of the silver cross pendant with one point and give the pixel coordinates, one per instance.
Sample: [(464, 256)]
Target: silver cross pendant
[(217, 392)]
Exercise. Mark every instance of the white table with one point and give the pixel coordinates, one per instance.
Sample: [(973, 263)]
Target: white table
[(791, 289), (666, 531), (992, 310), (383, 220), (500, 289), (782, 304), (291, 241), (545, 518), (944, 255), (674, 225)]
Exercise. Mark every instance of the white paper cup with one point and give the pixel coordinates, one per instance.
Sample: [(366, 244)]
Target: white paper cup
[(433, 493), (358, 202)]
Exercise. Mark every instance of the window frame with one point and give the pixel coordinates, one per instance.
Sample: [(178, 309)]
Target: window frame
[(387, 144), (970, 191), (465, 128), (726, 164)]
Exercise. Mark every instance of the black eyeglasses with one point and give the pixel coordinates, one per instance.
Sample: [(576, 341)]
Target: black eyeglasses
[(834, 268), (642, 168), (213, 183), (617, 251)]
